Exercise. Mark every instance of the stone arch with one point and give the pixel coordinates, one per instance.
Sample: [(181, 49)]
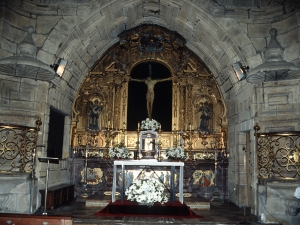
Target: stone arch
[(155, 61), (222, 42)]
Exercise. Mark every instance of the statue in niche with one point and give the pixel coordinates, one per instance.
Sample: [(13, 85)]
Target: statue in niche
[(206, 115), (94, 111), (150, 92)]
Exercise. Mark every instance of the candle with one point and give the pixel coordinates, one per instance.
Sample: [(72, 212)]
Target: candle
[(190, 126), (138, 125)]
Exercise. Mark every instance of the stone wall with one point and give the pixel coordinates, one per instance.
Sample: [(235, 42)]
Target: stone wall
[(18, 193), (276, 203), (23, 101), (275, 107)]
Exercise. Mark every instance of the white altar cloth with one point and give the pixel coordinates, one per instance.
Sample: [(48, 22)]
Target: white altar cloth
[(147, 163)]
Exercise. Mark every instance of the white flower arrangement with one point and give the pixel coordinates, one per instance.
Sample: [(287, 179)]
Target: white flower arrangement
[(176, 153), (146, 191), (119, 151), (150, 124)]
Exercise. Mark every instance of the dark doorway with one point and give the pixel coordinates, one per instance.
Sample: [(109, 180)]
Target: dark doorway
[(162, 105), (56, 134)]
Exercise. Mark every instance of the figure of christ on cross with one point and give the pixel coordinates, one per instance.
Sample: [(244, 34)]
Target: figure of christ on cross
[(150, 92)]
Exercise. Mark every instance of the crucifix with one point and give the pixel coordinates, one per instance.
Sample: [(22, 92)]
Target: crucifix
[(150, 92)]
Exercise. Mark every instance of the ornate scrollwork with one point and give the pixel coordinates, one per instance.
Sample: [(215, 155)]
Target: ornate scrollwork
[(278, 155), (17, 146)]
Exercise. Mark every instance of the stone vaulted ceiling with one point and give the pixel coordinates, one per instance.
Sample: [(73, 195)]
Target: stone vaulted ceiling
[(81, 31)]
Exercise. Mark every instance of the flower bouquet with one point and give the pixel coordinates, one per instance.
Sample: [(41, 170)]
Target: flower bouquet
[(150, 124), (146, 191), (176, 153), (119, 151)]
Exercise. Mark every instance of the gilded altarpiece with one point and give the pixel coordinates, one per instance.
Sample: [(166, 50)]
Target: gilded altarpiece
[(198, 109)]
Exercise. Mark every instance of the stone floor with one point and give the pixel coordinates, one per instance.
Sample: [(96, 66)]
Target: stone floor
[(219, 213)]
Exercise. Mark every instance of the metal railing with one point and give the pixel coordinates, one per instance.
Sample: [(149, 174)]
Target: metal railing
[(17, 147), (278, 154)]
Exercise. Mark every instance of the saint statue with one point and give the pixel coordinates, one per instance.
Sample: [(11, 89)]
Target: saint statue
[(95, 110), (206, 114), (150, 92)]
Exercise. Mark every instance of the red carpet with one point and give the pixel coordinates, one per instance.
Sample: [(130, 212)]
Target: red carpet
[(128, 208)]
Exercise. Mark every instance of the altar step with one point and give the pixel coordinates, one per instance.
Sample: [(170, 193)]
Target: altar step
[(97, 201), (197, 203), (193, 202)]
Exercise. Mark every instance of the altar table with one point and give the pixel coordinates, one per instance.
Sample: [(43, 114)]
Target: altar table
[(148, 163)]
